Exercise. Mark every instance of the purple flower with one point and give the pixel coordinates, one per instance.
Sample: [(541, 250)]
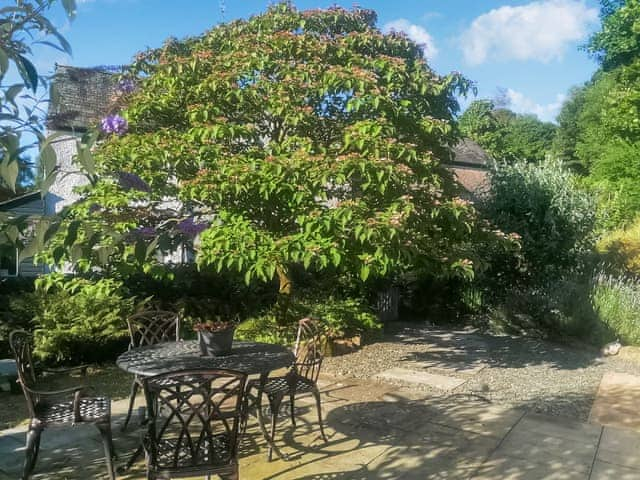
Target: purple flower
[(131, 181), (126, 85), (190, 228), (114, 124), (145, 231)]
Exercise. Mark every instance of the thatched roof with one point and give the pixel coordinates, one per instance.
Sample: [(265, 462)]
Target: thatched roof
[(469, 153), (80, 97)]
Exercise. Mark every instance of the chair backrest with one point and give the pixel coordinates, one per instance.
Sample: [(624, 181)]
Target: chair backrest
[(153, 326), (21, 344), (194, 419), (308, 349)]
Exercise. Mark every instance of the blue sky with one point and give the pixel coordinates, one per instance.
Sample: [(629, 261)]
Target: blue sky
[(528, 49)]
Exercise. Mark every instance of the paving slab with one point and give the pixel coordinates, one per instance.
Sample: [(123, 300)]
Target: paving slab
[(420, 378), (508, 468), (445, 367), (478, 417), (608, 471), (564, 428), (620, 447), (543, 447), (617, 401)]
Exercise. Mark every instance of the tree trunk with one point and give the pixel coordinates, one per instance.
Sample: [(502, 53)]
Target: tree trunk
[(284, 295)]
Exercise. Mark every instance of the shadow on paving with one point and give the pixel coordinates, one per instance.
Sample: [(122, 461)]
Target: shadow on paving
[(446, 348), (404, 436)]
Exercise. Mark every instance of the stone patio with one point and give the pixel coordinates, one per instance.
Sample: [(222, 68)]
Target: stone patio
[(378, 431)]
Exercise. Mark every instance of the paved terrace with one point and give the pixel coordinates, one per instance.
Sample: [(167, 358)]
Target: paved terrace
[(378, 431)]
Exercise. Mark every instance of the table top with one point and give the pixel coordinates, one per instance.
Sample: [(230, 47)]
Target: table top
[(248, 357)]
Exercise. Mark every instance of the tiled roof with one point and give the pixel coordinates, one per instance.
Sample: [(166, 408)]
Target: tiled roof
[(473, 180), (81, 97)]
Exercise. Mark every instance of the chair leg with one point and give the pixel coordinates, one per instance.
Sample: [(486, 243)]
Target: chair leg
[(232, 476), (246, 406), (316, 394), (132, 400), (274, 404), (292, 406), (107, 440), (31, 452)]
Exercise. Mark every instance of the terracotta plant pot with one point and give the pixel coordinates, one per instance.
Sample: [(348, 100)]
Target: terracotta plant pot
[(216, 344)]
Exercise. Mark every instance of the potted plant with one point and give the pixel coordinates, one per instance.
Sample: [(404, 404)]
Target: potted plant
[(214, 320), (215, 337)]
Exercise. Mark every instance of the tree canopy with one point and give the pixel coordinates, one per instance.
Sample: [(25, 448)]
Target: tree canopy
[(506, 135), (303, 138), (599, 128)]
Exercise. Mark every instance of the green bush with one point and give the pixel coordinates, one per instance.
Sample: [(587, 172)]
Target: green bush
[(17, 309), (554, 217), (340, 317), (79, 319), (621, 248), (616, 300)]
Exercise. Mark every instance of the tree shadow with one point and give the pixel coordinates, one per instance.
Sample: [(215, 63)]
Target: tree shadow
[(463, 350), (456, 436)]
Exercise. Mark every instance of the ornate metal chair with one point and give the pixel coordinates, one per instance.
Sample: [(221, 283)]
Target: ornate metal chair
[(194, 423), (149, 328), (56, 408), (302, 377)]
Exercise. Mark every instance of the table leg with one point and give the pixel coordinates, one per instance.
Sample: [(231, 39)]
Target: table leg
[(263, 428)]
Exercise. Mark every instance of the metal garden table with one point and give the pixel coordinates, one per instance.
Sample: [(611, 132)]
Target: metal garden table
[(248, 357)]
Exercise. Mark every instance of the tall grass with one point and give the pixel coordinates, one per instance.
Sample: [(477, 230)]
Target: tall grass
[(616, 301)]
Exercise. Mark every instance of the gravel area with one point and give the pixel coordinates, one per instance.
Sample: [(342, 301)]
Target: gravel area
[(530, 373)]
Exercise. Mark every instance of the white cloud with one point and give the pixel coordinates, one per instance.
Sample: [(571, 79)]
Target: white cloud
[(416, 33), (540, 30), (520, 103)]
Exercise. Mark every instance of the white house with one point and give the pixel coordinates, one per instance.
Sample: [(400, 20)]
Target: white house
[(80, 98)]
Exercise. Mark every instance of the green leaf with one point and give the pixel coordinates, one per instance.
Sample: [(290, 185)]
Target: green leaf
[(28, 72), (4, 62), (140, 251), (48, 159), (9, 170), (364, 272), (46, 183), (72, 233), (13, 91)]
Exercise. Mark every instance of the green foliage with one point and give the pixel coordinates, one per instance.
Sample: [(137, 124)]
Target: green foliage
[(507, 136), (617, 303), (301, 138), (618, 41), (599, 131), (543, 204), (341, 318), (479, 123), (621, 248), (79, 319), (17, 309), (23, 25), (566, 137)]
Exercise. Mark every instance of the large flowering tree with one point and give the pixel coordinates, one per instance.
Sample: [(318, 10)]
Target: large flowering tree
[(294, 137)]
